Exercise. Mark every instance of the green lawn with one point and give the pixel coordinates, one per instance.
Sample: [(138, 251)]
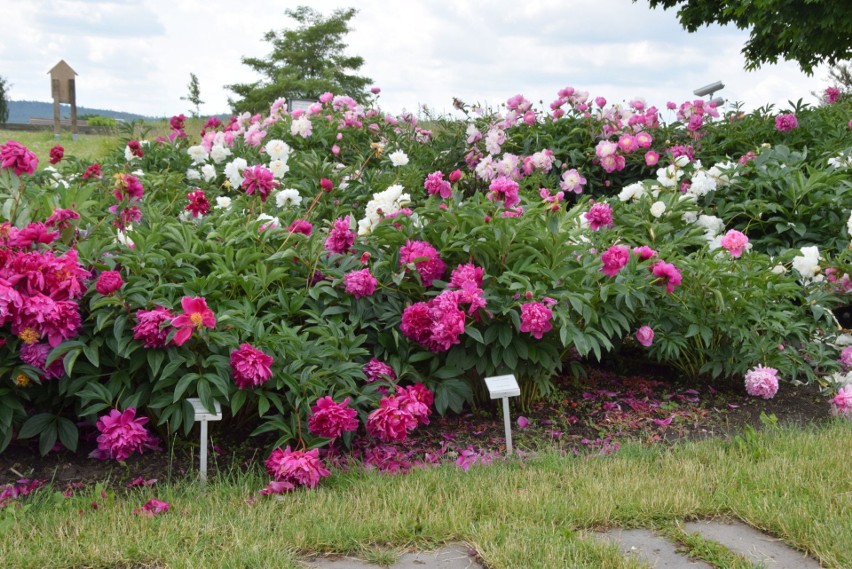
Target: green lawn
[(88, 147), (795, 484)]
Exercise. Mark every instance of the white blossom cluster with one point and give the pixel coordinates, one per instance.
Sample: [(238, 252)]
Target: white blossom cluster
[(383, 204)]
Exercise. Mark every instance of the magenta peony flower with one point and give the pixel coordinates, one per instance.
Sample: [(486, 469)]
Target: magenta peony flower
[(300, 468), (437, 324), (135, 148), (652, 158), (301, 226), (259, 179), (455, 176), (36, 355), (468, 273), (196, 315), (599, 215), (57, 320), (60, 218), (645, 336), (416, 399), (198, 203), (330, 419), (762, 382), (93, 171), (426, 260), (735, 242), (390, 422), (644, 252), (56, 154), (846, 357), (109, 282), (152, 508), (786, 122), (250, 366), (326, 184), (614, 259), (122, 434), (435, 184), (18, 157), (668, 274), (150, 327), (842, 402), (536, 319), (340, 238), (377, 369), (831, 95), (360, 283), (506, 190)]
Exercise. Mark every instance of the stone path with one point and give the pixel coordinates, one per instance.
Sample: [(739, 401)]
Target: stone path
[(645, 545)]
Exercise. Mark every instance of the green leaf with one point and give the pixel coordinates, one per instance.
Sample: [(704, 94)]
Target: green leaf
[(474, 333), (155, 360), (68, 433), (35, 425)]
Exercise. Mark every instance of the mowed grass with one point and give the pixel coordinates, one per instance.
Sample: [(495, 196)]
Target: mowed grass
[(795, 484), (87, 147)]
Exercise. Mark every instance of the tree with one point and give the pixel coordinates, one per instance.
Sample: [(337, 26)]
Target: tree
[(4, 99), (194, 95), (304, 63), (841, 74), (808, 32)]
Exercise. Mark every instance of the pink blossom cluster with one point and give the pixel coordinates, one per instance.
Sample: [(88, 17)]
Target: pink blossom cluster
[(15, 156), (376, 369), (435, 184), (427, 262), (599, 216), (330, 419), (128, 193), (608, 156), (693, 113), (153, 327), (296, 467), (401, 413), (614, 259), (23, 487), (302, 226), (122, 434), (572, 181), (786, 122), (505, 190), (541, 161), (250, 366), (831, 95), (846, 358), (340, 238), (260, 180), (762, 382), (436, 324), (668, 275), (553, 200), (198, 205), (109, 282), (536, 319), (735, 242), (645, 336), (467, 280), (152, 507), (841, 404), (56, 154), (360, 283)]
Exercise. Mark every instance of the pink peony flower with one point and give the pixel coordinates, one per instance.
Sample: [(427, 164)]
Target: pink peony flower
[(536, 319), (599, 215), (644, 252), (614, 259), (645, 336), (786, 122), (18, 157), (302, 226), (198, 203), (196, 316), (416, 399), (437, 324), (762, 382), (391, 422), (572, 181), (93, 171), (831, 95), (109, 282), (340, 238), (842, 402), (56, 154), (259, 179), (426, 260), (250, 366), (652, 158), (455, 176), (360, 283), (523, 422), (435, 184), (506, 190), (846, 357), (377, 369), (60, 218), (122, 434), (326, 184), (330, 419), (152, 508), (735, 242), (57, 320), (35, 355), (668, 274), (150, 327), (300, 468)]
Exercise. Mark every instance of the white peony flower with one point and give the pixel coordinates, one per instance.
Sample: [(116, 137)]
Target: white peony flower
[(279, 168), (711, 224), (849, 224), (123, 238), (287, 197), (398, 158), (234, 171), (198, 153), (193, 174), (222, 202), (657, 209), (301, 127), (702, 183), (689, 217), (779, 269), (668, 177), (278, 150), (722, 173), (267, 221), (219, 153), (383, 204), (807, 264), (631, 192), (208, 171)]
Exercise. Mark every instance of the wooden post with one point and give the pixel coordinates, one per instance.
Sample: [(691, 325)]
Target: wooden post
[(55, 84), (72, 94), (64, 90)]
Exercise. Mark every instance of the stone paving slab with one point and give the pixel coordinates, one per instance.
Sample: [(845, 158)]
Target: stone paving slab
[(450, 556), (753, 544), (645, 545)]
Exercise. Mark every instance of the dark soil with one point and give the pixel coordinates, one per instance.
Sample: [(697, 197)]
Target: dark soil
[(591, 415)]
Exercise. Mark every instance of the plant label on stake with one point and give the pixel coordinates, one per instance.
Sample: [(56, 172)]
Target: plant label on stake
[(203, 415), (503, 387)]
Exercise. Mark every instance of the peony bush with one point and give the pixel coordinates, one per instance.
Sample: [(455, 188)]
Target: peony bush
[(339, 270)]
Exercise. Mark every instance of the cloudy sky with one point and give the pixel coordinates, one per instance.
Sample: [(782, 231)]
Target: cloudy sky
[(137, 55)]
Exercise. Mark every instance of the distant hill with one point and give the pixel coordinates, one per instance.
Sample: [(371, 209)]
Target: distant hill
[(20, 112)]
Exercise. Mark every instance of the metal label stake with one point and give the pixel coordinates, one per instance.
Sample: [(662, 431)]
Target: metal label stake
[(503, 387)]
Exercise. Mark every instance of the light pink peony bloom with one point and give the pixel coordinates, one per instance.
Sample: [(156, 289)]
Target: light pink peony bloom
[(614, 259), (644, 252), (786, 122), (150, 327), (536, 319), (668, 274), (391, 422), (652, 158), (599, 215), (645, 336), (360, 283), (330, 419), (572, 181), (426, 260), (435, 184), (735, 242), (842, 402), (846, 357), (376, 369), (250, 366), (109, 282), (506, 190), (762, 382), (300, 468), (122, 434)]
